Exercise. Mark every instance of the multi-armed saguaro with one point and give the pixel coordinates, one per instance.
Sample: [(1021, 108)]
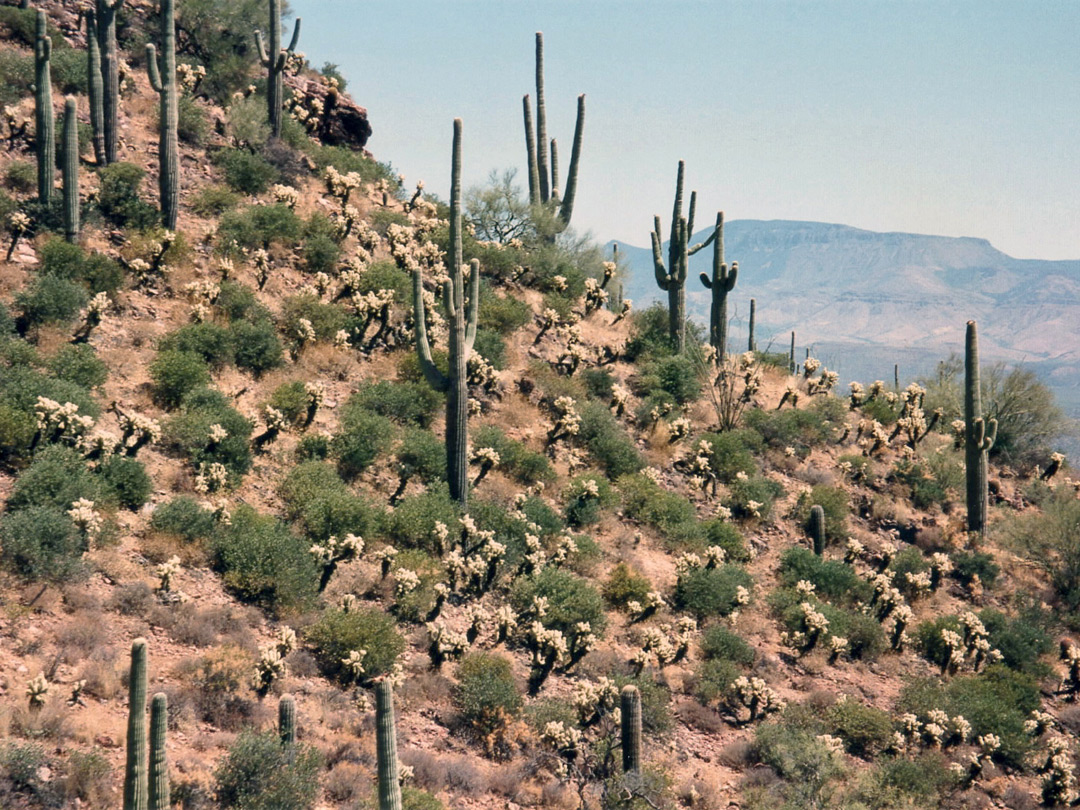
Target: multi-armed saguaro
[(274, 62), (386, 747), (672, 277), (544, 187), (721, 283), (978, 437), (69, 167), (163, 80), (462, 327), (110, 75), (45, 136), (95, 88)]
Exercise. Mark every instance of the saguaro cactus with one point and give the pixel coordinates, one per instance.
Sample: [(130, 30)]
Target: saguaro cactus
[(721, 283), (163, 80), (386, 747), (136, 793), (978, 437), (462, 327), (70, 171), (544, 187), (110, 75), (672, 277), (95, 88), (45, 137), (817, 529), (159, 764), (274, 62), (751, 345), (287, 720), (630, 711)]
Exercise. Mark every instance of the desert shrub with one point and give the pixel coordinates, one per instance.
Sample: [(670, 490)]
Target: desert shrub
[(17, 431), (491, 346), (650, 332), (487, 696), (237, 302), (118, 197), (292, 400), (1051, 538), (1022, 639), (926, 489), (258, 226), (515, 458), (245, 171), (421, 454), (21, 764), (804, 761), (924, 779), (321, 254), (675, 375), (305, 482), (261, 561), (970, 564), (607, 441), (213, 201), (257, 347), (57, 478), (801, 428), (586, 497), (707, 592), (41, 542), (49, 299), (404, 402), (996, 701), (712, 679), (413, 519), (599, 382), (190, 431), (719, 643), (537, 511), (753, 497), (866, 731), (832, 579), (337, 633), (863, 633), (730, 453), (326, 319), (313, 447), (836, 506), (337, 512), (68, 73), (571, 600), (723, 534), (363, 437), (625, 585), (502, 314), (128, 481), (88, 776), (174, 374), (192, 126), (185, 518), (210, 341), (21, 176), (79, 364), (672, 514), (260, 774)]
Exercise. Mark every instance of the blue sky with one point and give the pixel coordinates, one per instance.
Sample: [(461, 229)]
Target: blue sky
[(958, 118)]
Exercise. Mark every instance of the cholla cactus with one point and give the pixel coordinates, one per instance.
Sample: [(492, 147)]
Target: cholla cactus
[(405, 582), (167, 572), (353, 664), (678, 429), (275, 422), (261, 259), (60, 423), (76, 698), (211, 477), (624, 310), (37, 690), (953, 653), (563, 739), (857, 395), (86, 519), (567, 421), (333, 552), (505, 623), (1070, 654), (1059, 776), (18, 224), (823, 384), (444, 643), (940, 567), (810, 367), (285, 195), (791, 394), (595, 700), (755, 695), (1056, 460), (813, 628), (901, 617), (269, 668)]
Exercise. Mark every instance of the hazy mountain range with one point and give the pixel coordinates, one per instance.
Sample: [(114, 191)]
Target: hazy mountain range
[(864, 300)]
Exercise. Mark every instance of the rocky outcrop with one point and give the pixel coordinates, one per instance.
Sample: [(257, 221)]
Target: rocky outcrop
[(343, 122)]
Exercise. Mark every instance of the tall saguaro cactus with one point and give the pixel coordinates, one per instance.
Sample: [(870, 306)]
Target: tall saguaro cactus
[(544, 176), (70, 171), (159, 763), (163, 80), (721, 283), (817, 528), (274, 62), (978, 435), (95, 88), (136, 788), (386, 747), (630, 711), (287, 720), (110, 75), (671, 278), (45, 137), (751, 344), (462, 327)]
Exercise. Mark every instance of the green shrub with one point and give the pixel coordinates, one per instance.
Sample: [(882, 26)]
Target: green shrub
[(836, 506), (676, 376), (730, 453), (863, 633), (571, 600), (185, 518), (190, 432), (261, 561), (211, 342), (257, 347), (806, 764), (213, 201), (304, 483), (292, 400), (491, 346), (672, 514), (970, 564), (363, 437), (746, 492), (515, 458), (722, 644), (21, 763), (118, 197), (800, 428), (501, 313), (326, 319), (599, 382), (926, 489), (586, 497), (650, 333), (625, 585), (422, 455), (79, 364), (128, 481), (607, 441), (21, 176), (486, 695), (866, 731), (713, 678), (337, 633), (313, 447), (237, 302), (259, 773), (721, 533), (925, 779), (405, 402), (57, 478), (386, 275), (68, 73), (49, 299), (1022, 639), (707, 592), (321, 254), (413, 520), (245, 171), (41, 542), (175, 373), (337, 512), (831, 578), (192, 126), (258, 226)]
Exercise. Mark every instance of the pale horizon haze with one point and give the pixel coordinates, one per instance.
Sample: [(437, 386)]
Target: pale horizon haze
[(959, 119)]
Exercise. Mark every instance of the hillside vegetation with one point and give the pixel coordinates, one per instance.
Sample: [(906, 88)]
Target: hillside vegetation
[(332, 494)]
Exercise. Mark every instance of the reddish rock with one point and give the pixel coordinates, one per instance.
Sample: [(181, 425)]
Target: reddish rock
[(344, 122)]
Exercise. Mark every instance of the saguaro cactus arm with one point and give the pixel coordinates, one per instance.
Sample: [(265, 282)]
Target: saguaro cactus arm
[(436, 379), (159, 763), (566, 210), (530, 152), (95, 88), (70, 171)]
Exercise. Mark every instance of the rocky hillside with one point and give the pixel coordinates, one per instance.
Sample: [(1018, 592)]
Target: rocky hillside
[(233, 533)]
